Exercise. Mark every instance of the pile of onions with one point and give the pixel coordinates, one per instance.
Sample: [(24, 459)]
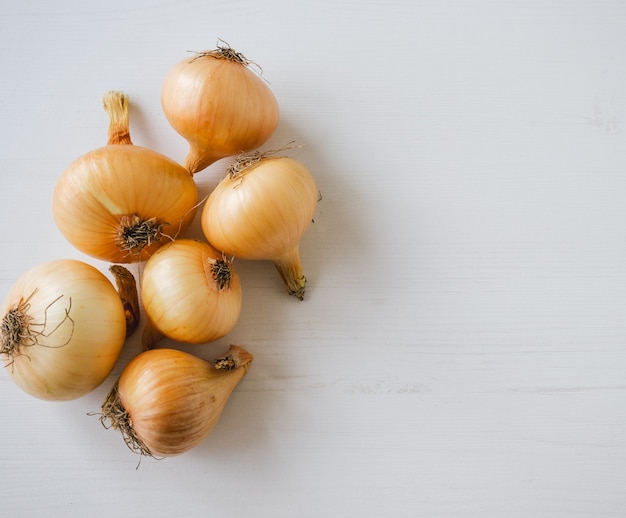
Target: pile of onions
[(261, 210), (63, 328), (64, 324), (190, 292), (219, 105), (121, 202)]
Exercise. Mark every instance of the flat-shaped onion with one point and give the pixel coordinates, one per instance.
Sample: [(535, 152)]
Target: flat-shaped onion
[(261, 210), (121, 202), (190, 292), (220, 106), (63, 328)]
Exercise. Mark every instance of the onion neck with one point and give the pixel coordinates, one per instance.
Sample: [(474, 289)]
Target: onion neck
[(127, 290), (198, 160), (116, 106), (236, 357), (289, 267), (151, 336)]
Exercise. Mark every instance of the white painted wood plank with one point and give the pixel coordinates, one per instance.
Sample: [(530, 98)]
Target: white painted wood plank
[(461, 349)]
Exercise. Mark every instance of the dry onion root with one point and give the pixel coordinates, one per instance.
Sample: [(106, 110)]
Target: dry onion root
[(166, 401), (121, 202), (260, 211), (219, 105), (63, 329)]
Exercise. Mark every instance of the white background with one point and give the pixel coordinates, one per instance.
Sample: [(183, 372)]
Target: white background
[(461, 350)]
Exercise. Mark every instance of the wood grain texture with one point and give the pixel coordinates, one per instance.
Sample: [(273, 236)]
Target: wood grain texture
[(461, 350)]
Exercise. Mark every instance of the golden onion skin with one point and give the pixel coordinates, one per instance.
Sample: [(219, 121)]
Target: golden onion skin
[(262, 214), (101, 188), (78, 325), (220, 106), (181, 296), (174, 399)]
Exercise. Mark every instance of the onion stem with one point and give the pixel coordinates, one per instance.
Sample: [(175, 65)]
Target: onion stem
[(127, 289), (116, 106), (198, 159), (234, 358), (289, 267), (151, 336)]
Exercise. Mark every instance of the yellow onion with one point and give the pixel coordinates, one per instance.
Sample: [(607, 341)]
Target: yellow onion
[(63, 328), (167, 401), (190, 292), (121, 202), (261, 210), (219, 105)]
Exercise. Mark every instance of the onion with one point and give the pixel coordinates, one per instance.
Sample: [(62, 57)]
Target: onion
[(167, 401), (121, 202), (190, 292), (261, 210), (220, 106), (62, 330)]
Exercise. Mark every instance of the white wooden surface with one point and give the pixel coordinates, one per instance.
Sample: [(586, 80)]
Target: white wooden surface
[(461, 351)]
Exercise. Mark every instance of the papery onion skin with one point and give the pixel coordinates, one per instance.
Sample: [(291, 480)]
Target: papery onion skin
[(83, 335), (171, 400), (262, 213), (220, 106), (121, 202), (182, 297), (98, 190)]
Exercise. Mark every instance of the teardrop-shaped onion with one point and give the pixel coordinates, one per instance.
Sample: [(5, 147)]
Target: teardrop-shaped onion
[(121, 202), (220, 106), (63, 329), (167, 401), (190, 292), (262, 212)]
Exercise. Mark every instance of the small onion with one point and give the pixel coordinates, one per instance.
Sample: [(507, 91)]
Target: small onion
[(62, 330), (190, 292), (220, 106), (167, 401), (121, 202), (261, 210)]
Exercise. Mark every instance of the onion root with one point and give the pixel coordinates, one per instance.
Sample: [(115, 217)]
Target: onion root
[(115, 416), (134, 233), (18, 330)]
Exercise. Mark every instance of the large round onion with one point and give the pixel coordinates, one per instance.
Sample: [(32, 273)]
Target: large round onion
[(63, 328), (121, 202)]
